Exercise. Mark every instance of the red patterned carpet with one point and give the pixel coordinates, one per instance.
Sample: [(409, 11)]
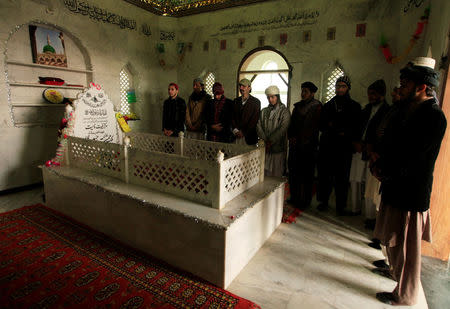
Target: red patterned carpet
[(49, 261)]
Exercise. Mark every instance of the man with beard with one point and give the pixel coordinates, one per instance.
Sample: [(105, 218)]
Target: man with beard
[(303, 134), (246, 112), (409, 148), (371, 117), (195, 125), (218, 116), (174, 112), (339, 125)]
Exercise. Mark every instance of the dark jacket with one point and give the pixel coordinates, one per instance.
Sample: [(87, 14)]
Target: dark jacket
[(304, 125), (340, 125), (214, 113), (369, 127), (410, 146), (245, 118), (174, 114)]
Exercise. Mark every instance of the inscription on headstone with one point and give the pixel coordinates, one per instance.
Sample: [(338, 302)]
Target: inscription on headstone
[(94, 116)]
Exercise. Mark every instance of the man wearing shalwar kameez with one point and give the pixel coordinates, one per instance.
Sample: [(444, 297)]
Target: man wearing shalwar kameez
[(272, 129), (409, 149)]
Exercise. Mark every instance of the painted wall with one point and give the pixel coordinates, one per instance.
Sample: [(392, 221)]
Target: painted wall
[(109, 49), (360, 57)]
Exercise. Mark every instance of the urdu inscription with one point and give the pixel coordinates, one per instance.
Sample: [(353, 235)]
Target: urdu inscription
[(283, 21), (96, 13)]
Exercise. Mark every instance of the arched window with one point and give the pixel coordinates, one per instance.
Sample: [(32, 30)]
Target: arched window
[(126, 86), (265, 67), (331, 83), (209, 82)]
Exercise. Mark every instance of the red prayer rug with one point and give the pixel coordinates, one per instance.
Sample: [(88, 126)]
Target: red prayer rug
[(48, 260)]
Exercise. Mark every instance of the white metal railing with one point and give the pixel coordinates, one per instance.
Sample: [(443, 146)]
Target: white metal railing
[(205, 172)]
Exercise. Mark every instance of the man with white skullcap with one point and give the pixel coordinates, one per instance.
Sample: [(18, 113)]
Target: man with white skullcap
[(272, 129), (409, 147)]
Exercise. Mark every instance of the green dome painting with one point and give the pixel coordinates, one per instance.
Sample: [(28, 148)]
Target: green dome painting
[(48, 48)]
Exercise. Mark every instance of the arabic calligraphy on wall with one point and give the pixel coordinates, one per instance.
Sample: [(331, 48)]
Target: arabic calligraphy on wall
[(283, 21), (412, 3), (99, 14)]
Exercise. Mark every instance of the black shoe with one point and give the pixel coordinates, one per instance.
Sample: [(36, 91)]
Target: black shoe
[(375, 245), (343, 212), (383, 272), (380, 264), (322, 207), (376, 240), (386, 297)]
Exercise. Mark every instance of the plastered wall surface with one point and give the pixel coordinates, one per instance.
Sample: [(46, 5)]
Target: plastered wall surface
[(109, 48)]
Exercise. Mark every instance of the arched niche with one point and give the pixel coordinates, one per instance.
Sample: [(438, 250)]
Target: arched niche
[(26, 104)]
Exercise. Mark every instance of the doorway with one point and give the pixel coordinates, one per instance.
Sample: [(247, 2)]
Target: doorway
[(265, 66)]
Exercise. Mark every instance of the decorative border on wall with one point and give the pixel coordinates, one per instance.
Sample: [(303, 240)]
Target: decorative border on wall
[(178, 8)]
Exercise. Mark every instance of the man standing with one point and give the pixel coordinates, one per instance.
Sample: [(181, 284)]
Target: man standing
[(218, 116), (174, 112), (303, 134), (246, 111), (272, 129), (410, 146), (340, 127), (195, 124), (371, 117)]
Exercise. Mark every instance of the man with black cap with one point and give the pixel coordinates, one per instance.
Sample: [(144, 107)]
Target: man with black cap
[(246, 112), (409, 149), (303, 134), (195, 123), (339, 125)]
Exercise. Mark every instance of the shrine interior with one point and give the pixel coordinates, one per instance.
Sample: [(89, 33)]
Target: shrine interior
[(129, 51)]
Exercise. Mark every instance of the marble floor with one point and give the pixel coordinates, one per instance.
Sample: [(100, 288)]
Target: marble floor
[(319, 262)]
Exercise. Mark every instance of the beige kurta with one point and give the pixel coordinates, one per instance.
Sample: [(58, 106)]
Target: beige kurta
[(402, 232)]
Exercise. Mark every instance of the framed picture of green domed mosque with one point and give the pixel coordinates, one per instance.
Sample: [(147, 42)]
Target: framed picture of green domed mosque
[(47, 46)]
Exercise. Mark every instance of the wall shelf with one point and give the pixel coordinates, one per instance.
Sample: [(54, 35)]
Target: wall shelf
[(43, 66), (43, 86), (37, 105)]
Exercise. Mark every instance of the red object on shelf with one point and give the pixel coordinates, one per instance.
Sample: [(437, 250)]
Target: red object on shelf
[(51, 81), (387, 53)]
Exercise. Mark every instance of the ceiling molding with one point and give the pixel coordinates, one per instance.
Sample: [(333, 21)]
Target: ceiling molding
[(179, 8)]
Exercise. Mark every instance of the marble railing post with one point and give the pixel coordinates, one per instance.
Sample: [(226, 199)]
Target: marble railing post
[(181, 142), (262, 159), (126, 146), (217, 201)]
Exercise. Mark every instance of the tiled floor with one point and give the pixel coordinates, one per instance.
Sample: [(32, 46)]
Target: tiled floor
[(318, 262)]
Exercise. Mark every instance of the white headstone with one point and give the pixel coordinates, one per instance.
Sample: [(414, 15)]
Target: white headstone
[(94, 116)]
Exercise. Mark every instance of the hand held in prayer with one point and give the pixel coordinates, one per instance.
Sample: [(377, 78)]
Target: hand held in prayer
[(358, 147), (217, 127), (239, 134), (292, 141)]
